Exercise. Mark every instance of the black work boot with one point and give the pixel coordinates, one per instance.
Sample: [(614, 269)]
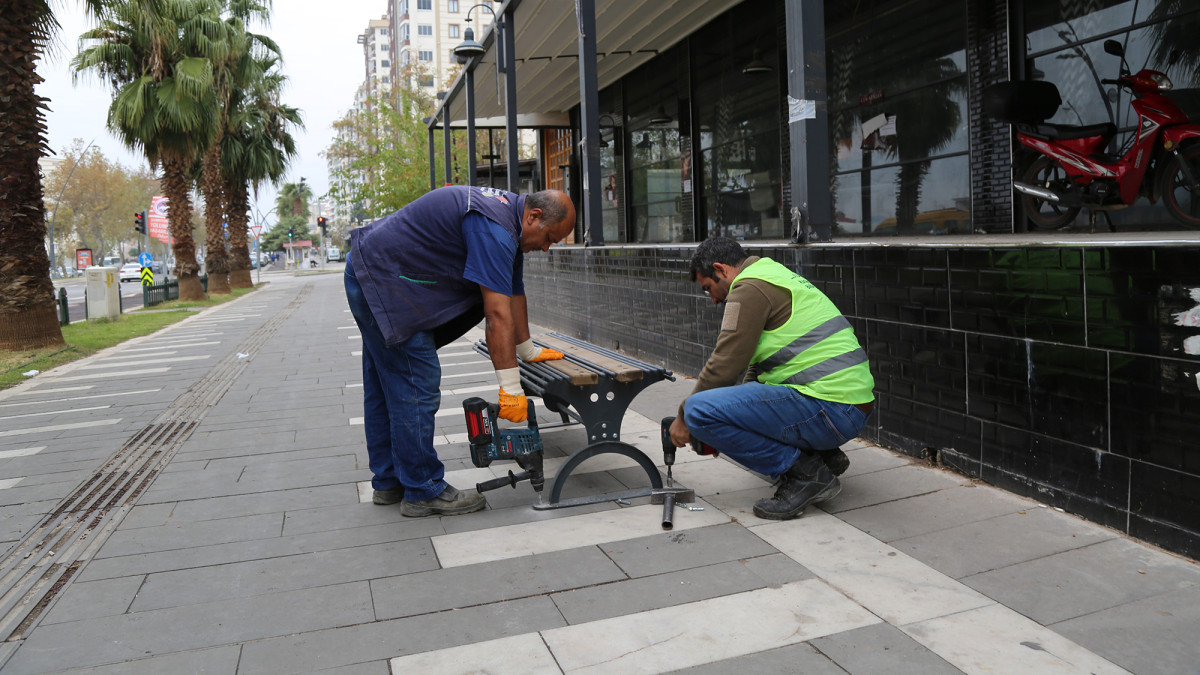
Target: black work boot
[(808, 481), (836, 460)]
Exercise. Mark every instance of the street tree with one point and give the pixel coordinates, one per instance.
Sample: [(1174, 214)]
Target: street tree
[(97, 204), (159, 65), (28, 316), (257, 148)]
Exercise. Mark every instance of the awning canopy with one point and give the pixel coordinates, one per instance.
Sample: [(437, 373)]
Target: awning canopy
[(629, 33)]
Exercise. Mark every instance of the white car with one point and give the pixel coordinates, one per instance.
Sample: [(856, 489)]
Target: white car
[(131, 271)]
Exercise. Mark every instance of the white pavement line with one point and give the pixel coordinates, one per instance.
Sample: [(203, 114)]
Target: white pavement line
[(354, 327), (6, 483), (560, 534), (56, 412), (173, 345), (890, 583), (351, 385), (472, 362), (97, 376), (51, 391), (475, 373), (58, 427), (186, 336), (469, 351), (21, 452), (142, 361), (517, 655), (471, 390), (357, 353), (354, 337), (977, 640), (679, 637), (81, 398)]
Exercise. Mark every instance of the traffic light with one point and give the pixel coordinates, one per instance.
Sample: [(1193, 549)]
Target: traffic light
[(291, 233), (139, 222), (321, 223)]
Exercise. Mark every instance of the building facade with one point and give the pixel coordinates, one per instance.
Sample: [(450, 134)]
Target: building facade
[(848, 139)]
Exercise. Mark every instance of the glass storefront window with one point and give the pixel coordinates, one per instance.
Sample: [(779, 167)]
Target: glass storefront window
[(918, 198)]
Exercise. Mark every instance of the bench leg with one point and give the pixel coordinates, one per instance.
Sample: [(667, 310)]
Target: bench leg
[(603, 448)]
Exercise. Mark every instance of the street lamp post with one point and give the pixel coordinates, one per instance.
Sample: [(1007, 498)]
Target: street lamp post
[(259, 217)]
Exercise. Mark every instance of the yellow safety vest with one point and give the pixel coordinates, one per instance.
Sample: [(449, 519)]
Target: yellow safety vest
[(815, 352)]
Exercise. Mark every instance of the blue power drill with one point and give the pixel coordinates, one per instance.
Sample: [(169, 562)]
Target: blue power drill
[(489, 442)]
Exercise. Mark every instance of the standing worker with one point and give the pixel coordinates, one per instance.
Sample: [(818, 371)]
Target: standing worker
[(417, 280), (807, 388)]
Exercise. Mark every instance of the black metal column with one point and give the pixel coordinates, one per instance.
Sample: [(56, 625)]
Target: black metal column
[(432, 162), (446, 142), (508, 37), (812, 203), (589, 121), (471, 168)]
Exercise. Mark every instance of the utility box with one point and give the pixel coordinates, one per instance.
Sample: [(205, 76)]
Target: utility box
[(103, 293)]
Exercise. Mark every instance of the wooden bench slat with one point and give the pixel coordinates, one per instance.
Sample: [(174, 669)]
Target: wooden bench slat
[(624, 371), (579, 375)]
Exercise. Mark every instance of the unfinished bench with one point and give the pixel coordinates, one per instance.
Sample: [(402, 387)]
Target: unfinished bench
[(592, 386)]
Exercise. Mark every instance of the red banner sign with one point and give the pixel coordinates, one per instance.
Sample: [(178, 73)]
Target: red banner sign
[(156, 220), (83, 258)]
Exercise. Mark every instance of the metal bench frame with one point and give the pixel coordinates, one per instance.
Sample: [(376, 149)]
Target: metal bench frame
[(600, 408)]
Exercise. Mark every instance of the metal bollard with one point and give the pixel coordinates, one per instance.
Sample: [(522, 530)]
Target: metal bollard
[(64, 314)]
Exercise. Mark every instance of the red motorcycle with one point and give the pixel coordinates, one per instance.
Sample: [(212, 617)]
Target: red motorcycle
[(1074, 171)]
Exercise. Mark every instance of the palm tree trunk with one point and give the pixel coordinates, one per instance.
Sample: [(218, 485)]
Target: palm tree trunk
[(177, 187), (239, 249), (27, 313), (216, 259), (908, 195)]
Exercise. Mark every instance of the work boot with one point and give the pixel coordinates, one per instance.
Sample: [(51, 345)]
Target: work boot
[(808, 481), (451, 502), (836, 460), (388, 497)]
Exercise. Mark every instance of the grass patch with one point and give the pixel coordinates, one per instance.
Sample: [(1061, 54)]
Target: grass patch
[(84, 338)]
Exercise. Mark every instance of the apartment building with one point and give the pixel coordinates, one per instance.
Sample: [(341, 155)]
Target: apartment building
[(426, 33), (377, 59)]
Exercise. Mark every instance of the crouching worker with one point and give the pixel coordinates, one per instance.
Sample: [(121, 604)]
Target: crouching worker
[(417, 280), (807, 388)]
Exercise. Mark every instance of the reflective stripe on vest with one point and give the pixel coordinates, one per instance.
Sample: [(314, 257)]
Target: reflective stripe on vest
[(815, 351)]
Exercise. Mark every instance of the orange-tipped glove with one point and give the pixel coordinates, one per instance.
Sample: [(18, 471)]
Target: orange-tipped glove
[(513, 408), (531, 353)]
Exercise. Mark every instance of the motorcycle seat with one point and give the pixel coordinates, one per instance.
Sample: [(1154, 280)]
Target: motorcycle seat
[(1066, 132)]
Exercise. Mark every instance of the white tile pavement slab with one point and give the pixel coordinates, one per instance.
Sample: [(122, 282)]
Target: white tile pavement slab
[(517, 655), (559, 534), (678, 637), (997, 640), (889, 583)]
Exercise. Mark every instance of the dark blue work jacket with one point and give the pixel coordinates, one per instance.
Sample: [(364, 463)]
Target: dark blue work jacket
[(410, 264)]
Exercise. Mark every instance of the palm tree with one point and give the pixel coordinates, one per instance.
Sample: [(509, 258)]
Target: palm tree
[(293, 199), (238, 69), (28, 317), (257, 147), (159, 64)]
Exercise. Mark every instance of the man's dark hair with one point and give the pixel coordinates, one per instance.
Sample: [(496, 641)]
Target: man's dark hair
[(716, 250), (551, 204)]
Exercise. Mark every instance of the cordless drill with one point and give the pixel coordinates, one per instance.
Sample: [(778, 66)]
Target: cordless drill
[(669, 447), (489, 442)]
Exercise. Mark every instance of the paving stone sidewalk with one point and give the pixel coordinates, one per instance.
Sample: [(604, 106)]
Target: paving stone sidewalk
[(199, 501)]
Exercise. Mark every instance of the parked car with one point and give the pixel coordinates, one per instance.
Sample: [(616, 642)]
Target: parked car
[(131, 272)]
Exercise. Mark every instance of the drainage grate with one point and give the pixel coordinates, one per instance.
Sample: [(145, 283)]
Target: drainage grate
[(46, 558)]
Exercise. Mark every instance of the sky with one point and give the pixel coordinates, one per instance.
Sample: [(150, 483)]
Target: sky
[(321, 57)]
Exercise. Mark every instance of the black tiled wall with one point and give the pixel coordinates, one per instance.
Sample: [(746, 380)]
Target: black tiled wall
[(1058, 372)]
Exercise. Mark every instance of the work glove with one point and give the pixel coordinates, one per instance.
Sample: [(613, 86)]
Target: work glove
[(514, 408), (531, 353)]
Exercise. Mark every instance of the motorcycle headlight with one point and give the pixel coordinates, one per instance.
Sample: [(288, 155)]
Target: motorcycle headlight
[(1163, 82)]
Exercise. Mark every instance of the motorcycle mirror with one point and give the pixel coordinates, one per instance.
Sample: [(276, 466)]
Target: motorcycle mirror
[(1113, 47)]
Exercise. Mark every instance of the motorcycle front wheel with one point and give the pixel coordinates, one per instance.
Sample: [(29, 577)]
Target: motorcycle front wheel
[(1181, 199), (1044, 214)]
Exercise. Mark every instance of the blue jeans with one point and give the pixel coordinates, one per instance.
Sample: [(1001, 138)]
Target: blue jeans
[(765, 427), (401, 394)]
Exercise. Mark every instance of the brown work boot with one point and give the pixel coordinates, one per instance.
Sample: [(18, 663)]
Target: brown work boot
[(452, 502), (387, 497), (808, 481)]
